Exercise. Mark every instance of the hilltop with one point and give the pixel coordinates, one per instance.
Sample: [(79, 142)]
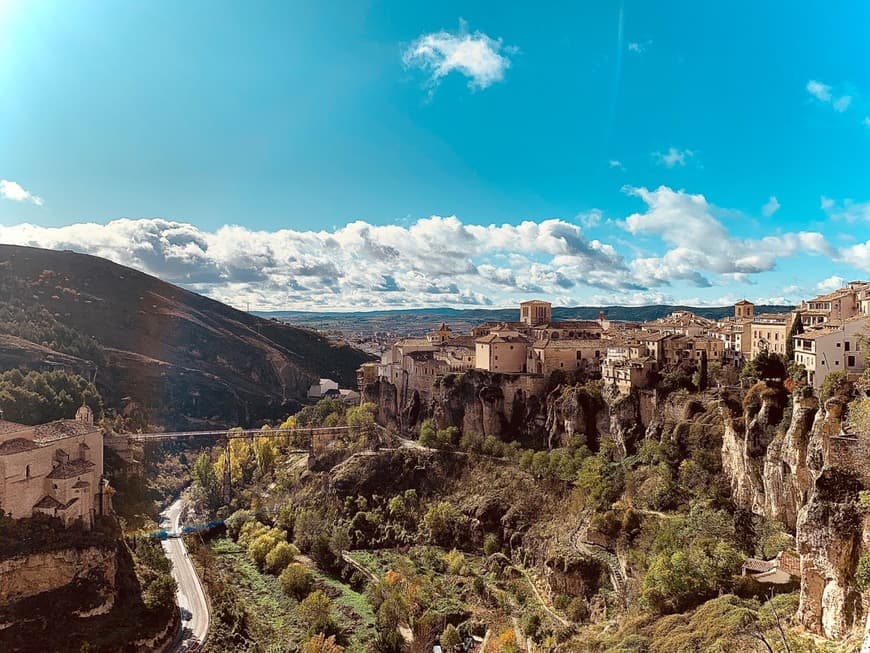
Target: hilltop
[(177, 354)]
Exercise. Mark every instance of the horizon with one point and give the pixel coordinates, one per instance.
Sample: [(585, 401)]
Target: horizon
[(387, 156)]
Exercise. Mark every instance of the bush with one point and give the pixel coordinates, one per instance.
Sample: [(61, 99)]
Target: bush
[(577, 610), (444, 524), (450, 638), (455, 562), (280, 556), (316, 611), (296, 580), (491, 544), (322, 644), (531, 624)]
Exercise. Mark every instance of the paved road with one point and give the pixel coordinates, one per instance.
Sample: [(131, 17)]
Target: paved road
[(190, 595)]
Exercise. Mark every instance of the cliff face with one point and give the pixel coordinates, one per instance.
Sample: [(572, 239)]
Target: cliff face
[(28, 575), (804, 474)]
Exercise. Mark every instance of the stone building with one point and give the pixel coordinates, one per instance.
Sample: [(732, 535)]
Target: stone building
[(535, 311), (832, 349), (54, 469), (501, 352), (547, 356)]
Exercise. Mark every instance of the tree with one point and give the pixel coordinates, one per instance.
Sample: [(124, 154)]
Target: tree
[(322, 644), (206, 481), (702, 372), (450, 638), (296, 580), (797, 328), (316, 611), (280, 556)]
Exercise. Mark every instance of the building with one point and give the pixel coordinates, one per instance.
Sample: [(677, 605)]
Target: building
[(744, 311), (769, 332), (323, 388), (783, 569), (54, 469), (829, 349), (501, 352), (836, 306), (547, 356), (622, 373), (535, 311)]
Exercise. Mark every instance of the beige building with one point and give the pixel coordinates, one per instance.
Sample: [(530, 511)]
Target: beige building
[(547, 356), (744, 311), (623, 374), (836, 306), (535, 311), (832, 349), (769, 332), (501, 352), (54, 469)]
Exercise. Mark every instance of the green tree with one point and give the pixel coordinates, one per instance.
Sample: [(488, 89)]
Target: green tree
[(316, 611), (280, 556), (450, 638), (797, 328), (206, 481), (322, 644), (296, 580)]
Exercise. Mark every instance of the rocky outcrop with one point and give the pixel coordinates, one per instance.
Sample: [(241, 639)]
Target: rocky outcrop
[(28, 575), (574, 412), (829, 540)]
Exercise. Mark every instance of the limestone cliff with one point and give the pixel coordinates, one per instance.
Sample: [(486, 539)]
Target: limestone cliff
[(28, 575), (801, 471)]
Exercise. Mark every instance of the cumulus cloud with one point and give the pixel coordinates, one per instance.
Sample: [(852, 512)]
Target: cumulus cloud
[(699, 243), (436, 260), (770, 207), (615, 163), (482, 59), (673, 157), (824, 93), (638, 47), (14, 191), (831, 283), (679, 239), (846, 210)]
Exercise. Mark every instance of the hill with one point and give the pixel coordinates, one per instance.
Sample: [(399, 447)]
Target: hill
[(179, 355)]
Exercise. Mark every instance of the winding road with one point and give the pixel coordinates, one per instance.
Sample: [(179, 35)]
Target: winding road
[(190, 595)]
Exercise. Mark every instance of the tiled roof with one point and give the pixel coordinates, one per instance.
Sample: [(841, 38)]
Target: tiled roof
[(48, 503), (16, 445), (61, 429), (756, 565), (71, 469), (495, 337)]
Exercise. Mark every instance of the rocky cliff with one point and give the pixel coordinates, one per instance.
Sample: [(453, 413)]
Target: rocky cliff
[(792, 464), (29, 575)]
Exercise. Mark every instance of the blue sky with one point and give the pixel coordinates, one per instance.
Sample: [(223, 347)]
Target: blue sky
[(295, 155)]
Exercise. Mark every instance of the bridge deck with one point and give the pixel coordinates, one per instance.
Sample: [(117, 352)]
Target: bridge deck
[(238, 433)]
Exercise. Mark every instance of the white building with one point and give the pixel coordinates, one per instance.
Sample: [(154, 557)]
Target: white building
[(832, 349)]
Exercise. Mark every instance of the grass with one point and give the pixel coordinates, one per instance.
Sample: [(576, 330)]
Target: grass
[(276, 614)]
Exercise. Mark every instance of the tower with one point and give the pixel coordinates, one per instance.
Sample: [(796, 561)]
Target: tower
[(535, 312), (744, 311)]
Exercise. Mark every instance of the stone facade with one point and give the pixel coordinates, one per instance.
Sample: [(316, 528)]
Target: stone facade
[(54, 469)]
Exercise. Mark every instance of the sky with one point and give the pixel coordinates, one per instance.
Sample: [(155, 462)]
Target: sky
[(362, 155)]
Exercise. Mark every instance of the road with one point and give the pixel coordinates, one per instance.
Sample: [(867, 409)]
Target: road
[(190, 595)]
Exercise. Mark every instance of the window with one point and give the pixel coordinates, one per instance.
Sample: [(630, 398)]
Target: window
[(847, 345), (26, 472), (850, 361)]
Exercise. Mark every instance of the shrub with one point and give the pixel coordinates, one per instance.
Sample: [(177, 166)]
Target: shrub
[(577, 610), (862, 572), (316, 611), (280, 556), (322, 644), (450, 638), (444, 524), (491, 544), (236, 521), (531, 624), (455, 561), (296, 580)]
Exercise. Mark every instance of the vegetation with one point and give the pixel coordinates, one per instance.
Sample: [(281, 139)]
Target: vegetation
[(39, 397)]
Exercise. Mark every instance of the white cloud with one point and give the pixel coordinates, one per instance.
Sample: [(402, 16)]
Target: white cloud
[(823, 93), (673, 157), (770, 207), (831, 283), (678, 240), (847, 210), (479, 57), (615, 163), (699, 243), (11, 190)]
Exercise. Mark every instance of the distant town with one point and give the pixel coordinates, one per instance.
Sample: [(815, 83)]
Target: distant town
[(823, 331)]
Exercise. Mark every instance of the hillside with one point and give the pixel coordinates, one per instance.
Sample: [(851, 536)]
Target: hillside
[(179, 355)]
